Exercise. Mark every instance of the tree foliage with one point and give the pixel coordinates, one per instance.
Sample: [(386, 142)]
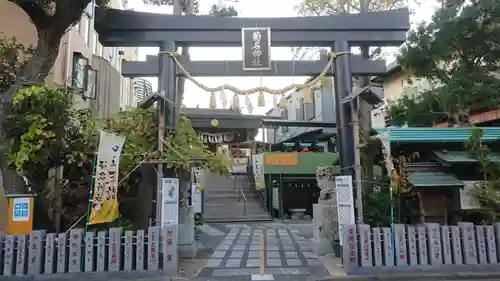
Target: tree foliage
[(46, 132), (377, 204), (224, 11), (216, 10), (459, 52), (488, 191), (13, 56), (328, 7), (184, 4)]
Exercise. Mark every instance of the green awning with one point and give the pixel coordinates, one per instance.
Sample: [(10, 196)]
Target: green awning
[(433, 179), (455, 157)]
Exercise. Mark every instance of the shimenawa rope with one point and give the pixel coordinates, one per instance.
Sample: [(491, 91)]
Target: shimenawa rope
[(261, 89)]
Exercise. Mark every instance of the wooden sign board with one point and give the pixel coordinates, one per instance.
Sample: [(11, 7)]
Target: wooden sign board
[(256, 43)]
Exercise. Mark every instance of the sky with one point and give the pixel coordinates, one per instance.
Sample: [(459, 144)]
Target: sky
[(193, 96)]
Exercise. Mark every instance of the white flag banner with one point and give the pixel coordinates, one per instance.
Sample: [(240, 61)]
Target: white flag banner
[(105, 191)]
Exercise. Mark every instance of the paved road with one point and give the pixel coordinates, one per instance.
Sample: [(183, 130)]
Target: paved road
[(237, 254)]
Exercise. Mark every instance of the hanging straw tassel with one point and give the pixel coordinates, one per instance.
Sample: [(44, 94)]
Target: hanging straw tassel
[(236, 102), (223, 93), (213, 100), (308, 95), (261, 102), (283, 103), (223, 97)]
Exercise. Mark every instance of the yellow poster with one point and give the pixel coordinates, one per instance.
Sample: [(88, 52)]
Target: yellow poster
[(104, 203)]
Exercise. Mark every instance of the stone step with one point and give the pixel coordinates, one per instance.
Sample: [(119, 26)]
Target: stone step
[(221, 200), (229, 203), (224, 208), (249, 196), (209, 189), (235, 218), (242, 214), (236, 204), (215, 211)]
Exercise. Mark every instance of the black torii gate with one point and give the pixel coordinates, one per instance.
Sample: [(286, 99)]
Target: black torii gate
[(339, 32)]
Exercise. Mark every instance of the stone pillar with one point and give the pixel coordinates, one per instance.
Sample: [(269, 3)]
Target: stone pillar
[(188, 245), (325, 216)]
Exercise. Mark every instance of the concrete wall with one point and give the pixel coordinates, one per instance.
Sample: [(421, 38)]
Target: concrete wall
[(394, 86), (108, 87), (13, 16)]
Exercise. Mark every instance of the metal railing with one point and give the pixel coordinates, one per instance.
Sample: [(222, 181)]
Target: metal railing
[(241, 194), (260, 193)]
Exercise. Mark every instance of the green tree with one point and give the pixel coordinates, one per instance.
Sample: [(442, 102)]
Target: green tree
[(13, 57), (46, 132), (329, 7), (459, 52), (488, 191), (51, 18)]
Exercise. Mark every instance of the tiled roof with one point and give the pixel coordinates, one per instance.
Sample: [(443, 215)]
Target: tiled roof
[(450, 157), (433, 179), (416, 135), (430, 174)]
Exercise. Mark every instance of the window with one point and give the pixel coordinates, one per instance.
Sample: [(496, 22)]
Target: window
[(310, 109), (300, 109), (90, 83), (284, 116), (79, 71)]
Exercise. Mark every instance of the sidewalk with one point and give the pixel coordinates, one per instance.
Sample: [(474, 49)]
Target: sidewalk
[(424, 273), (418, 277)]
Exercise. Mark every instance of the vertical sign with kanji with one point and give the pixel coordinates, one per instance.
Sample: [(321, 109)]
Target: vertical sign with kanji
[(468, 238), (170, 256), (170, 222), (256, 43), (75, 250), (105, 193), (349, 236), (400, 245), (170, 197), (345, 201)]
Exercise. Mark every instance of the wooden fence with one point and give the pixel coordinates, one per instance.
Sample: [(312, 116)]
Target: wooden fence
[(431, 244), (77, 251)]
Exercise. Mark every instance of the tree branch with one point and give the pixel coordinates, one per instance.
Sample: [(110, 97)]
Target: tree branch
[(69, 12), (35, 10)]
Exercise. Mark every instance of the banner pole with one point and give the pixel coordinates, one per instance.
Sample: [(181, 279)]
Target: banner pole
[(91, 192), (89, 204)]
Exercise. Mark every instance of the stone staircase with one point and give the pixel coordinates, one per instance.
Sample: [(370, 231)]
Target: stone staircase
[(221, 200)]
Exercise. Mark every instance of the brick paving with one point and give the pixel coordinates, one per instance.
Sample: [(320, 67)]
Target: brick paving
[(285, 254)]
